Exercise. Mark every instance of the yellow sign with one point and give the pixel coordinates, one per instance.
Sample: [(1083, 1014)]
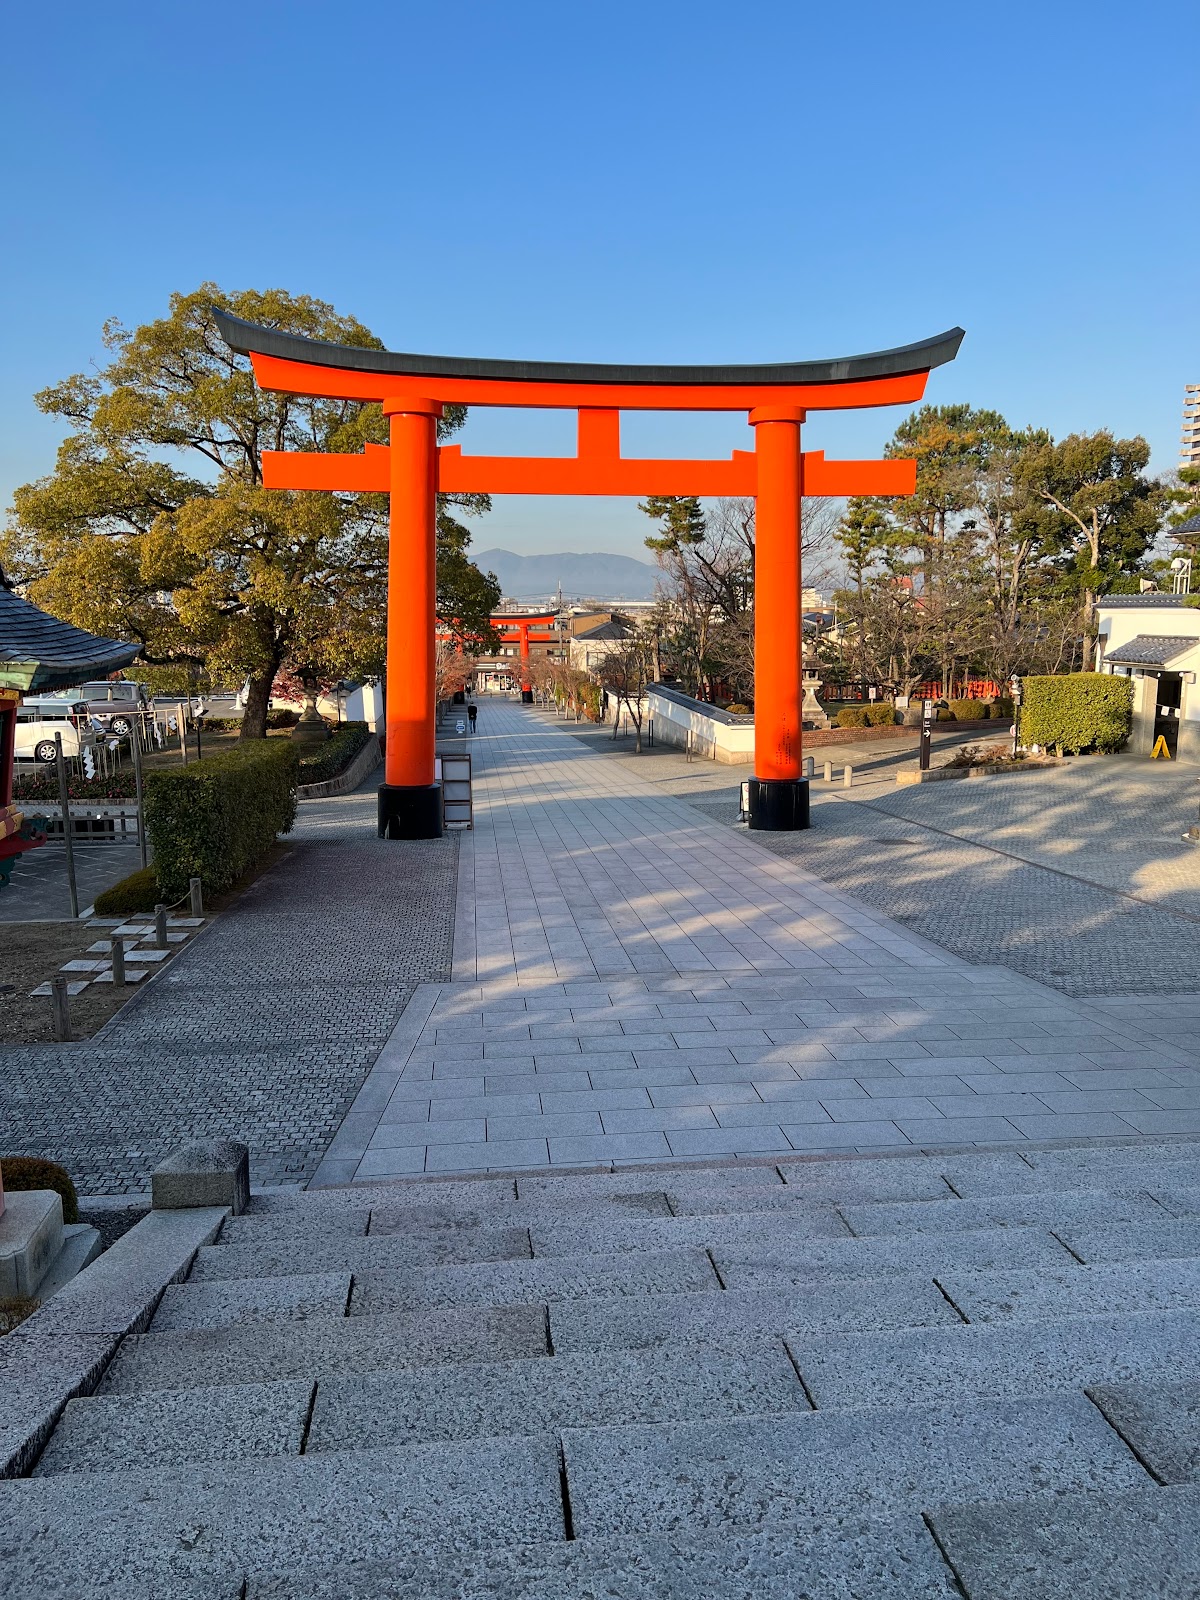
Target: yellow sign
[(1160, 748)]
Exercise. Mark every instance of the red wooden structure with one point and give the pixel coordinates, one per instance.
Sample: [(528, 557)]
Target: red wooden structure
[(413, 389)]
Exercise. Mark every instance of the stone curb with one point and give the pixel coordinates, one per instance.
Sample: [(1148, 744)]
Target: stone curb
[(362, 766), (63, 1349)]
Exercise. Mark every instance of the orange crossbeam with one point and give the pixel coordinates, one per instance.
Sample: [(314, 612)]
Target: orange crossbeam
[(591, 473)]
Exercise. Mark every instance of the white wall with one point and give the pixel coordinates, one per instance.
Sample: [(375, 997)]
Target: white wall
[(730, 743)]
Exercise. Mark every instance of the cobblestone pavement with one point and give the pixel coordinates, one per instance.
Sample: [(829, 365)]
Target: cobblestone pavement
[(633, 982), (264, 1029), (39, 891)]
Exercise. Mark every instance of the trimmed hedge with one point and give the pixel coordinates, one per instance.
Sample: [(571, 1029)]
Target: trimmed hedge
[(21, 1173), (880, 714), (44, 787), (1077, 711), (968, 710), (137, 892), (214, 819), (336, 754)]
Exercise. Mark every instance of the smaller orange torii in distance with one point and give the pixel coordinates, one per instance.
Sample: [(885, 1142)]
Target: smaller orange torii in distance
[(517, 627), (412, 469)]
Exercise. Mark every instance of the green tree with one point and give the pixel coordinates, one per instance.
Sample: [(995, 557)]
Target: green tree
[(1107, 512), (155, 524)]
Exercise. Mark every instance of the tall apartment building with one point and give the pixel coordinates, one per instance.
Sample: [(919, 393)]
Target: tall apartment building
[(1189, 452)]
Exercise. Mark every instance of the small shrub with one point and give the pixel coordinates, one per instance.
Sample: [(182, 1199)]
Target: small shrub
[(32, 1172), (737, 709), (137, 892), (854, 717), (945, 715), (282, 719), (336, 754), (43, 787), (1002, 706), (1077, 711), (222, 724), (968, 710), (881, 714), (214, 819)]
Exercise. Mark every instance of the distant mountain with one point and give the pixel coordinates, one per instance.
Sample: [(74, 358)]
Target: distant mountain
[(592, 576)]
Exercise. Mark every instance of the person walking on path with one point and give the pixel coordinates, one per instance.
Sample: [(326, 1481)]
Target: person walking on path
[(472, 713)]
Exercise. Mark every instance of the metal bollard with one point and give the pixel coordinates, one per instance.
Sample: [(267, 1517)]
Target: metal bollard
[(847, 775), (195, 890), (117, 945), (60, 1006), (160, 927), (829, 772)]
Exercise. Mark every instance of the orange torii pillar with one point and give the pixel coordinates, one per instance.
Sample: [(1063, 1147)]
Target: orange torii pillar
[(526, 683), (410, 801), (778, 789)]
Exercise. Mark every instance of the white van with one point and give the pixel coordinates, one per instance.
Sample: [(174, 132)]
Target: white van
[(39, 719)]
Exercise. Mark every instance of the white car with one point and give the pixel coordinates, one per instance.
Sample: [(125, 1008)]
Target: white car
[(38, 720)]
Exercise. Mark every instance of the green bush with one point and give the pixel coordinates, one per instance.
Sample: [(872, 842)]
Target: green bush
[(737, 709), (1002, 706), (854, 717), (214, 819), (1079, 711), (223, 724), (282, 719), (882, 714), (336, 754), (968, 710), (32, 1172), (137, 892)]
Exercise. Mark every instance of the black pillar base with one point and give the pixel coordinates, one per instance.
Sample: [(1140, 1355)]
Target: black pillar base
[(526, 697), (779, 805), (410, 812)]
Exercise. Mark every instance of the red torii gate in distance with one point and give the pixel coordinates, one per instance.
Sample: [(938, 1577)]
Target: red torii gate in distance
[(514, 627), (412, 469)]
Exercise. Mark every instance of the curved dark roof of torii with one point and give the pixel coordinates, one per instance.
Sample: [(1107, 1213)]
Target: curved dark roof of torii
[(250, 338)]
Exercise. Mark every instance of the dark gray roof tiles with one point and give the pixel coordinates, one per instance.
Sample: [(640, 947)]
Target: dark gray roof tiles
[(1151, 650), (61, 655)]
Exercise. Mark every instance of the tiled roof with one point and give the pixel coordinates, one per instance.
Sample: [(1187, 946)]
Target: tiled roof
[(1192, 525), (1130, 602), (1151, 650), (40, 652)]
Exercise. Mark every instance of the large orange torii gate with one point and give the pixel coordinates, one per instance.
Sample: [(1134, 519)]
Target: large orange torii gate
[(412, 469)]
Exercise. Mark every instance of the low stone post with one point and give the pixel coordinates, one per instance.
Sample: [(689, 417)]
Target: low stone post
[(847, 775), (117, 943), (829, 772), (212, 1172), (196, 894), (60, 1007), (160, 927)]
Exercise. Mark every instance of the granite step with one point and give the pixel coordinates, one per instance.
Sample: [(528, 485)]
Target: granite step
[(776, 1474), (250, 1300), (757, 1256), (1101, 1546), (510, 1283), (641, 1322), (279, 1351), (1051, 1293), (279, 1258), (1057, 1210), (175, 1427), (1160, 1422), (1168, 1237), (113, 1533), (938, 1366), (843, 1559), (565, 1236), (734, 1377)]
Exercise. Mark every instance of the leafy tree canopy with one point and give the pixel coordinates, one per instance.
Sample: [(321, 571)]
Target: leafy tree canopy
[(155, 525)]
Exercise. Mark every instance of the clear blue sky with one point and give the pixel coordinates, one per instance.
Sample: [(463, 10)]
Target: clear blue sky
[(653, 181)]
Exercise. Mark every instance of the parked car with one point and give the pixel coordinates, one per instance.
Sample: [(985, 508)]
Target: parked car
[(115, 704), (39, 719)]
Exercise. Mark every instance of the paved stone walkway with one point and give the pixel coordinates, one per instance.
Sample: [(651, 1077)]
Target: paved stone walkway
[(263, 1029), (633, 982)]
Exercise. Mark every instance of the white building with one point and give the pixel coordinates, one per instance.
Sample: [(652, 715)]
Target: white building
[(1154, 639)]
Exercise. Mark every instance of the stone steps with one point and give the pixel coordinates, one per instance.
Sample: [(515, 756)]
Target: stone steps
[(643, 1385)]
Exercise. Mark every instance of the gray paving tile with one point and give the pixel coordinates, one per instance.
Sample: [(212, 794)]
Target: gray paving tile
[(1102, 1289), (775, 1260), (1081, 1209), (844, 1135), (495, 1155), (1160, 1421), (545, 1125), (581, 1150), (1114, 1241), (273, 1299)]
